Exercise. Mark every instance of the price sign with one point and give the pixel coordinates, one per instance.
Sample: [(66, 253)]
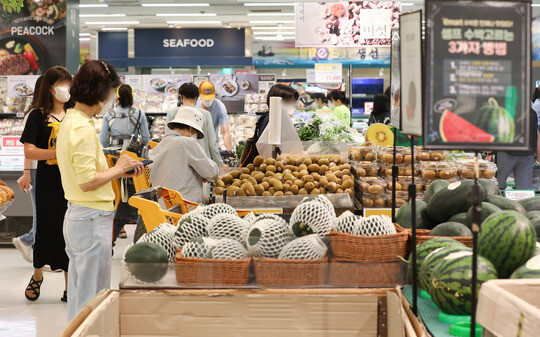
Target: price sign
[(11, 145), (328, 73), (517, 195)]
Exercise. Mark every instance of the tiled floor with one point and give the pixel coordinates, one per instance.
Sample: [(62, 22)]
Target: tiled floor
[(48, 315)]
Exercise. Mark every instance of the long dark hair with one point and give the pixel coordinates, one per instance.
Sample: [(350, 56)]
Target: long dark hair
[(44, 100), (36, 94), (338, 95), (536, 94), (287, 93), (125, 96)]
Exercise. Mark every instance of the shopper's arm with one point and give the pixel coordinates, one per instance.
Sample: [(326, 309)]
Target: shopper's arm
[(212, 145), (145, 133), (123, 165), (225, 133), (104, 134), (204, 166), (26, 179), (35, 153)]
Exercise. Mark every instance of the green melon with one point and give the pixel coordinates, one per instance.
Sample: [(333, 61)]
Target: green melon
[(531, 269), (435, 187), (490, 187), (454, 198), (536, 224), (404, 215), (451, 229), (451, 290), (531, 204), (496, 121), (146, 261), (487, 210), (460, 217), (508, 240), (432, 260), (506, 204), (533, 215)]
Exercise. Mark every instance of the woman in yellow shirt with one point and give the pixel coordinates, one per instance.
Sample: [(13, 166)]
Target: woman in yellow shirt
[(338, 103)]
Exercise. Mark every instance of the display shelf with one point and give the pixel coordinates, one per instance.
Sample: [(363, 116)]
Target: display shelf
[(12, 115)]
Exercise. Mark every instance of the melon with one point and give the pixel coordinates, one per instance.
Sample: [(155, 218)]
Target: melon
[(460, 217), (146, 261), (531, 204), (455, 129), (506, 204), (433, 259), (451, 229), (487, 210), (533, 215), (404, 215), (531, 269), (490, 186), (453, 199), (435, 187)]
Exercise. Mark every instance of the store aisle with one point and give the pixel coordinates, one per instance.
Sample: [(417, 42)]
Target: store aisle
[(47, 317)]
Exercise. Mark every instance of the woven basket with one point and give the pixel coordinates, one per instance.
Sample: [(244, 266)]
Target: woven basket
[(350, 274), (290, 273), (422, 235), (369, 249), (215, 273)]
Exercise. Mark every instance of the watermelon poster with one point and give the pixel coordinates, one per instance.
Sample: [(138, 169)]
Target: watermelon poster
[(478, 75)]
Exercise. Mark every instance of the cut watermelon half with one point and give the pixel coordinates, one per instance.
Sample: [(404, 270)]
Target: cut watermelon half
[(455, 129)]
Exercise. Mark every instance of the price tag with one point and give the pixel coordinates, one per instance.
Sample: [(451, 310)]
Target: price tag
[(19, 114), (328, 73), (519, 194), (378, 211)]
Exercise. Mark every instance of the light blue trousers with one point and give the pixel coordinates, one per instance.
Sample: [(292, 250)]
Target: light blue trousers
[(88, 236), (30, 237)]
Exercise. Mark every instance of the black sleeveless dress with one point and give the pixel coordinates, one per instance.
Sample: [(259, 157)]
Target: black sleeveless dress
[(51, 205)]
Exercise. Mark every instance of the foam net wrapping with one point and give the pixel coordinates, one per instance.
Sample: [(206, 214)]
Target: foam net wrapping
[(377, 225), (314, 215), (212, 210), (195, 249), (251, 218), (348, 223), (191, 225), (308, 247), (322, 200), (273, 217), (162, 235), (266, 238), (227, 249), (228, 226)]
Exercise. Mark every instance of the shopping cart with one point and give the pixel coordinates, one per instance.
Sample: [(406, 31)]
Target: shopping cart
[(152, 144), (143, 181)]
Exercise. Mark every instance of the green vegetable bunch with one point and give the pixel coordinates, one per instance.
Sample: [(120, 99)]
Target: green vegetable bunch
[(12, 5)]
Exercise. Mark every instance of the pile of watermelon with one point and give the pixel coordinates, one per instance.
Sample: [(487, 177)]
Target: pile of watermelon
[(506, 243)]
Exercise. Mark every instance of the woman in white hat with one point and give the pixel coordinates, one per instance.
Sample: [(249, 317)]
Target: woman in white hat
[(180, 162)]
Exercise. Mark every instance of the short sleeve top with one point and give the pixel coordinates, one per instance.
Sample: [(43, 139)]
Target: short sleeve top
[(36, 131)]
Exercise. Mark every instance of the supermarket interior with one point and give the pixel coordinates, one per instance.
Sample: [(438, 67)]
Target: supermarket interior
[(264, 168)]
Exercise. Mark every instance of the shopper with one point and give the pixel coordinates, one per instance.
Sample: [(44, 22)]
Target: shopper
[(320, 103), (338, 104), (535, 104), (188, 94), (39, 138), (86, 179), (218, 111), (520, 163), (179, 160), (289, 97), (381, 110), (25, 242)]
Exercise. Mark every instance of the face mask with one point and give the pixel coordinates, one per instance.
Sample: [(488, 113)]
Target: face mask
[(331, 105), (62, 94), (194, 136), (207, 103), (105, 107), (315, 105), (288, 108)]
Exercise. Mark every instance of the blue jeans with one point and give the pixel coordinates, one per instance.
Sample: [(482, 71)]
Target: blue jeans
[(87, 233), (30, 237), (521, 166)]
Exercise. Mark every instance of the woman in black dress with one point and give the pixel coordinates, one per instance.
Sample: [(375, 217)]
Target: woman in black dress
[(39, 138)]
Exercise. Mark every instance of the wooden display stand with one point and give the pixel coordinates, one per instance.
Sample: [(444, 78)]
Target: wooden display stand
[(261, 313)]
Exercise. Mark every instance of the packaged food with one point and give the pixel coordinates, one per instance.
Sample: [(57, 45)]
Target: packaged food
[(374, 200), (466, 167), (402, 197), (365, 169), (438, 170), (372, 185), (363, 153), (403, 183), (386, 155), (425, 155), (403, 170)]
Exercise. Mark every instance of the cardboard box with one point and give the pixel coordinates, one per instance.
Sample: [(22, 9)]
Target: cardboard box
[(510, 307), (260, 313)]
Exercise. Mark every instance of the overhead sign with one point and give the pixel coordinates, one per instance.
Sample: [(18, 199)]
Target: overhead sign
[(203, 42), (328, 73), (478, 75)]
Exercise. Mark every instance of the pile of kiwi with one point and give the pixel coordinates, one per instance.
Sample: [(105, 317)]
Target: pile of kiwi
[(286, 176)]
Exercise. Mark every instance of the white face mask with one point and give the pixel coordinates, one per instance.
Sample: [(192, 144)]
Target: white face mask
[(62, 94), (315, 105), (331, 105), (207, 103), (288, 108), (194, 136), (105, 106)]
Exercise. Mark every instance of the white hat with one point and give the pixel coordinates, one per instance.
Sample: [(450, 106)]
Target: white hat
[(191, 117)]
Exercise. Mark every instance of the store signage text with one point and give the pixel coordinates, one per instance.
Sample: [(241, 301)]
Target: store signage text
[(184, 43), (33, 30)]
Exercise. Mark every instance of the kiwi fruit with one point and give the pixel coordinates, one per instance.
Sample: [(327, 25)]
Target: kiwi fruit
[(331, 187), (249, 189), (278, 185), (423, 156), (302, 191), (368, 203), (334, 169), (362, 173), (323, 181), (302, 167), (244, 176), (279, 194), (331, 177), (258, 161), (251, 167), (253, 181), (278, 176), (323, 190), (232, 191), (357, 156), (316, 176), (220, 183), (488, 174), (265, 185), (262, 168), (266, 194), (296, 174), (338, 174), (323, 169), (345, 167), (400, 202), (299, 183), (280, 167), (228, 179), (237, 183), (294, 189), (370, 156), (235, 174), (290, 167), (304, 173), (375, 189), (379, 203), (447, 174), (347, 184), (272, 190), (245, 170), (288, 193), (269, 174), (407, 159), (259, 177), (286, 187), (271, 168), (346, 177), (436, 156), (430, 174), (307, 162), (313, 168), (309, 186), (467, 174), (299, 161), (270, 161), (315, 191), (308, 179), (218, 191), (259, 190), (323, 161), (241, 193)]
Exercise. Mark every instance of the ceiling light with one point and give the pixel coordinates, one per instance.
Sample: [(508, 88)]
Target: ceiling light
[(272, 21), (276, 38), (114, 28), (268, 4), (93, 5), (407, 4), (271, 33), (100, 15), (188, 14), (273, 28), (535, 5), (84, 39), (177, 5), (192, 22), (271, 14), (84, 34), (111, 22)]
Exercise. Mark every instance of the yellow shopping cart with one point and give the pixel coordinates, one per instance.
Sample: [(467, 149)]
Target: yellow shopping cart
[(143, 181), (115, 183)]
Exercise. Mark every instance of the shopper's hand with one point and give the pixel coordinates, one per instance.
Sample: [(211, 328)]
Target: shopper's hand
[(126, 163), (24, 181)]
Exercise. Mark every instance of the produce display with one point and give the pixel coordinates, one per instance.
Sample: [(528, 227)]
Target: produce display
[(6, 196), (326, 128), (242, 127)]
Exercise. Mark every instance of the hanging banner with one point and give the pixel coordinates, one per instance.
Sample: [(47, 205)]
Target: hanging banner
[(328, 73), (233, 89), (21, 86), (478, 75), (410, 30), (535, 41), (134, 81), (34, 39), (395, 91), (346, 24)]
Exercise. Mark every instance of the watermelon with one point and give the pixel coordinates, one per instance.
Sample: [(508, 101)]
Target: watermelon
[(426, 247), (533, 215), (451, 290), (506, 204), (435, 187), (531, 204), (454, 128), (496, 121), (146, 261), (450, 229), (490, 187), (454, 198), (404, 216), (460, 217), (536, 225), (508, 240), (432, 260), (531, 269), (487, 210)]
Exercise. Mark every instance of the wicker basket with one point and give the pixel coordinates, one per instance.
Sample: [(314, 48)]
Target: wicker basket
[(350, 274), (290, 273), (369, 249), (215, 273), (422, 235)]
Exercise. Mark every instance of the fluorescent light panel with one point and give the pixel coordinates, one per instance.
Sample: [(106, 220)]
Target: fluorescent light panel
[(84, 39), (93, 5), (407, 4), (268, 4), (111, 22), (188, 14), (274, 38), (84, 34), (177, 5), (271, 14), (101, 15), (193, 22), (272, 21), (114, 28), (274, 28), (273, 33)]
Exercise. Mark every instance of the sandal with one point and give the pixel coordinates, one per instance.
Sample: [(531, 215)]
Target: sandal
[(122, 234), (64, 298), (35, 287)]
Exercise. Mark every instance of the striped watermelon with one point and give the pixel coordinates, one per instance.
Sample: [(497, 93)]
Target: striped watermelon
[(451, 290), (508, 240), (432, 260), (531, 269), (496, 121)]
